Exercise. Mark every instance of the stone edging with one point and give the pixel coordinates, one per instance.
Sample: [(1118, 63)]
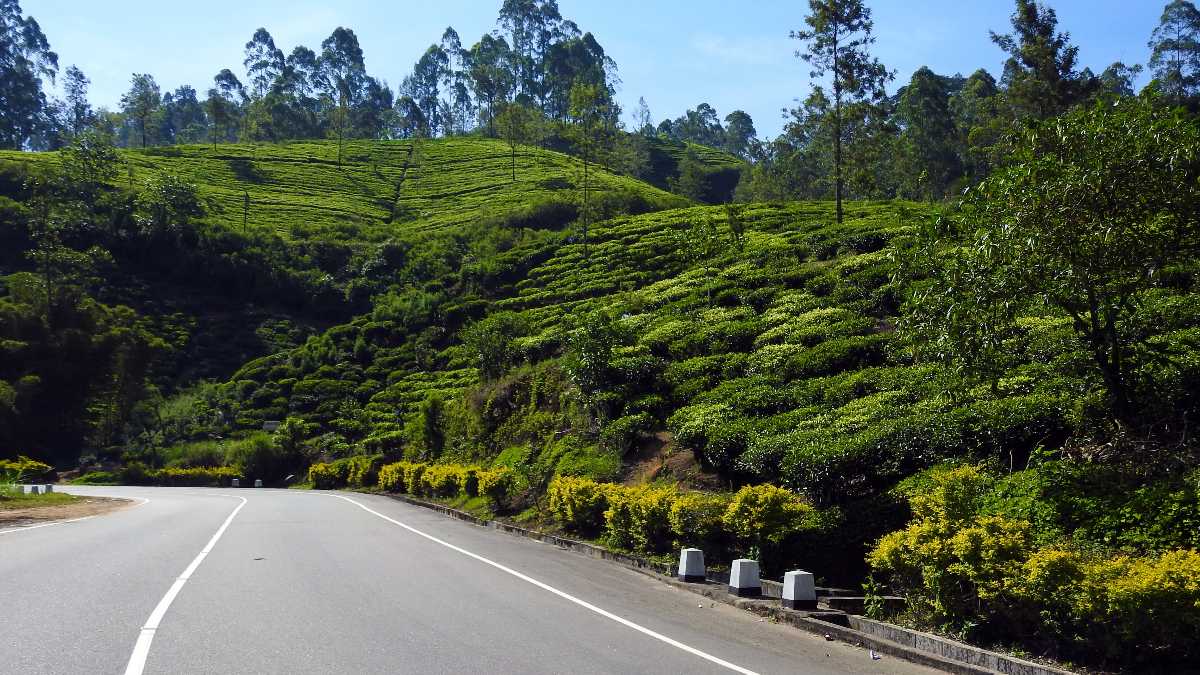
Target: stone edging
[(903, 643)]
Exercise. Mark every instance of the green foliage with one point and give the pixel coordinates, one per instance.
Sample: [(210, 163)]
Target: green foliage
[(578, 503), (24, 469), (697, 520), (491, 343), (1094, 206), (258, 457), (138, 474), (97, 478), (638, 518), (441, 480), (971, 558), (764, 516)]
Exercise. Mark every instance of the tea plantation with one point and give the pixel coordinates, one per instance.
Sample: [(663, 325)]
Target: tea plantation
[(414, 306)]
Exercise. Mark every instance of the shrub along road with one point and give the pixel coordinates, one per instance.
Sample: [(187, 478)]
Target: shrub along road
[(296, 582)]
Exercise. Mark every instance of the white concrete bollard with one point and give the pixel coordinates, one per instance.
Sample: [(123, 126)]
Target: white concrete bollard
[(35, 489), (257, 482), (237, 483), (743, 579), (799, 590), (691, 566)]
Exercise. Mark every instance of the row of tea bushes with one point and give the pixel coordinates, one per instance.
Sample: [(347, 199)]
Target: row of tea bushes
[(757, 518), (414, 478)]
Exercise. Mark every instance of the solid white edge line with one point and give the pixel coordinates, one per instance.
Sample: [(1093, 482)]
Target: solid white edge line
[(141, 650), (64, 522), (562, 594)]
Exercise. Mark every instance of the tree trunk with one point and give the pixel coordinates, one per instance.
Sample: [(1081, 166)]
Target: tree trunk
[(837, 131)]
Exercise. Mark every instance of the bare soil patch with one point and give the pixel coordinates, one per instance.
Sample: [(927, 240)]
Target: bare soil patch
[(79, 508), (657, 457)]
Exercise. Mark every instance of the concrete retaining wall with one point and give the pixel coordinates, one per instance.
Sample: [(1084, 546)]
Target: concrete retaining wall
[(950, 649)]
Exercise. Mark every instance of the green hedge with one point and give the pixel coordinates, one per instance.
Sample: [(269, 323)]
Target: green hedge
[(361, 471), (415, 478), (24, 469), (761, 518), (212, 476)]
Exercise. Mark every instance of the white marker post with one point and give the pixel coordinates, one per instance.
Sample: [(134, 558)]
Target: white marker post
[(691, 566), (237, 483), (743, 579), (799, 590), (257, 482)]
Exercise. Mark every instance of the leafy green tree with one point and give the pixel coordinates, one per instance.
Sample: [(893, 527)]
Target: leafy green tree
[(490, 342), (643, 121), (1040, 74), (533, 26), (979, 115), (589, 116), (839, 38), (701, 126), (424, 86), (183, 118), (928, 143), (300, 85), (342, 74), (87, 164), (141, 103), (693, 179), (739, 133), (735, 218), (491, 79), (167, 204), (590, 352), (1119, 78), (1095, 205), (25, 59), (78, 110), (221, 116), (517, 123), (1175, 52), (456, 84), (578, 59), (630, 155), (426, 429), (264, 63)]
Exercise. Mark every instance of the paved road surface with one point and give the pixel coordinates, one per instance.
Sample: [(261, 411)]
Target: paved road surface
[(306, 582)]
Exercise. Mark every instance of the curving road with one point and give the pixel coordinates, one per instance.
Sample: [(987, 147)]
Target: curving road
[(277, 581)]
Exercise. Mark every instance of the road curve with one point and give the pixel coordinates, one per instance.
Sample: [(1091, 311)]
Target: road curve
[(309, 582)]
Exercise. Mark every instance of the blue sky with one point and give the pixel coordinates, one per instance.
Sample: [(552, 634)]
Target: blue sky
[(674, 53)]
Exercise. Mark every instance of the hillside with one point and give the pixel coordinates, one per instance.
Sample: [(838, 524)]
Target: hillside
[(382, 189), (677, 348)]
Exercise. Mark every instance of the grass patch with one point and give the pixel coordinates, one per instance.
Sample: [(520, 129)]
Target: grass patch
[(10, 501)]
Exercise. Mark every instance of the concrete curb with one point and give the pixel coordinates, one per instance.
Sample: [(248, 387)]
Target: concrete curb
[(884, 638)]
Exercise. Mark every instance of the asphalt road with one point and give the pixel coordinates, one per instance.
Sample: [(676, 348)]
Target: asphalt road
[(276, 581)]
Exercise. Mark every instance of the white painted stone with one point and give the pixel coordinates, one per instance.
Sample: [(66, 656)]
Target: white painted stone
[(799, 590), (237, 483), (691, 565), (257, 482), (743, 578)]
